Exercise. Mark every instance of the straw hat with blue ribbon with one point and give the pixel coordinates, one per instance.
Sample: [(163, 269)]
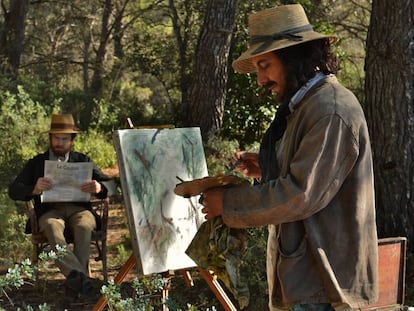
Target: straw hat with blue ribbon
[(274, 29)]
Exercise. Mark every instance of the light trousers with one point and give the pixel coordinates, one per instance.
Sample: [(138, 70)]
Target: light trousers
[(81, 223)]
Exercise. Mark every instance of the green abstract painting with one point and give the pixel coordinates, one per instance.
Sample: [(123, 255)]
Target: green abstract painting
[(162, 224)]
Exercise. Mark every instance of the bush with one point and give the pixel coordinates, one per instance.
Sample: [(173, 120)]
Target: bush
[(15, 276), (98, 147), (219, 152), (14, 243), (22, 122)]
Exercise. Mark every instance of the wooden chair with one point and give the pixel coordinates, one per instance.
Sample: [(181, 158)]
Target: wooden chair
[(98, 240)]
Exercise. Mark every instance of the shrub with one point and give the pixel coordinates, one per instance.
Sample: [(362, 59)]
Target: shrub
[(21, 123), (98, 147), (14, 243), (15, 276)]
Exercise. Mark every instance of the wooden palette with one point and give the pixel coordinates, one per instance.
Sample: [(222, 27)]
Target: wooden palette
[(197, 186)]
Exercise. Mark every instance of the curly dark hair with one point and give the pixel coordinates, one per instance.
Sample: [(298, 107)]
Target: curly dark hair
[(302, 61)]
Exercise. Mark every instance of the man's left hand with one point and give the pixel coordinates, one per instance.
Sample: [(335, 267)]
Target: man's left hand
[(212, 202), (91, 186)]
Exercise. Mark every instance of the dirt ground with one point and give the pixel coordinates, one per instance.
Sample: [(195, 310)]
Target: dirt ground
[(49, 287)]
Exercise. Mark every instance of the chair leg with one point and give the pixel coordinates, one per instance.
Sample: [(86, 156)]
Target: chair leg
[(37, 248), (89, 269), (99, 249), (35, 253), (104, 262), (102, 249)]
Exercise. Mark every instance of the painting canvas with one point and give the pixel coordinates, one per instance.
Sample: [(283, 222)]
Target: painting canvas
[(151, 163)]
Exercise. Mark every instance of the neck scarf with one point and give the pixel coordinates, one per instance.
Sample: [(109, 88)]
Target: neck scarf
[(268, 150)]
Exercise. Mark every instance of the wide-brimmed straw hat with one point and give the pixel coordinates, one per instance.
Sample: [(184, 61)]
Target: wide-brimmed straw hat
[(63, 124), (274, 29)]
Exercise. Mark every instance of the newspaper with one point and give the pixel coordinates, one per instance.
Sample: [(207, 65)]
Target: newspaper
[(67, 177)]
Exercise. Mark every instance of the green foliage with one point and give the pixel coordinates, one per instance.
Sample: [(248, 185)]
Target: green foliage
[(143, 294), (219, 152), (53, 255), (151, 89), (80, 104), (148, 296), (138, 99), (41, 89), (22, 122), (249, 110), (122, 256), (97, 147), (106, 118), (351, 74), (15, 276), (7, 208), (14, 243), (254, 268)]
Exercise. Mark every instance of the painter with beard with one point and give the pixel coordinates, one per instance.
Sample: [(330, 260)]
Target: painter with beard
[(54, 217), (314, 169)]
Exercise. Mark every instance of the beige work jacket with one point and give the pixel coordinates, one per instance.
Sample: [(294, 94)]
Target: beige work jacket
[(320, 211)]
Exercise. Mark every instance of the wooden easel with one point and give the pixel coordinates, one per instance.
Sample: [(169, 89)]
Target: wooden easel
[(131, 262), (208, 276)]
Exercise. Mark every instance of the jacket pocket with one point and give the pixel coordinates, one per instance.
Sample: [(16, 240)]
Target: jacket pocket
[(298, 275)]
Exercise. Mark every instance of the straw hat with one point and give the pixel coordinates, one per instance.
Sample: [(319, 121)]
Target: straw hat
[(63, 124), (275, 29)]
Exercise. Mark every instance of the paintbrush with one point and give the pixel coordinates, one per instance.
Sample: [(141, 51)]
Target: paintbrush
[(232, 166)]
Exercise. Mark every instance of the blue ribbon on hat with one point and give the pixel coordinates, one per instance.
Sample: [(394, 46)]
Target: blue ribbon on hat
[(267, 40)]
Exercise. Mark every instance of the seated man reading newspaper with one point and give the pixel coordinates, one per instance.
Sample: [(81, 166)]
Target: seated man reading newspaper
[(60, 181)]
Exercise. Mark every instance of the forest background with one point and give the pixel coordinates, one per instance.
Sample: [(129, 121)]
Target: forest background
[(169, 62)]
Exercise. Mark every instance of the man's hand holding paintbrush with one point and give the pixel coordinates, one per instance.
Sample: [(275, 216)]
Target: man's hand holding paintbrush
[(245, 162)]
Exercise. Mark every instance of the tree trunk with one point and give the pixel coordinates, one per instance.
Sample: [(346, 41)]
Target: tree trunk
[(181, 32), (87, 41), (98, 72), (389, 107), (12, 35), (206, 106)]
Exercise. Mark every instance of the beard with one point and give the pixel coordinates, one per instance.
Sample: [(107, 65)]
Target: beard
[(59, 151)]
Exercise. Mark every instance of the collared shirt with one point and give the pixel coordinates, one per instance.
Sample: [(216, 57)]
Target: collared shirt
[(297, 98), (54, 157)]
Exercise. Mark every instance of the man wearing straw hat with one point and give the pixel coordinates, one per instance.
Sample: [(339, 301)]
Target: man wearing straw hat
[(314, 172), (54, 217)]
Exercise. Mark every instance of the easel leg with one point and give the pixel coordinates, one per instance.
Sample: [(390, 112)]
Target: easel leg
[(128, 266), (166, 289), (217, 290), (187, 278), (211, 281)]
